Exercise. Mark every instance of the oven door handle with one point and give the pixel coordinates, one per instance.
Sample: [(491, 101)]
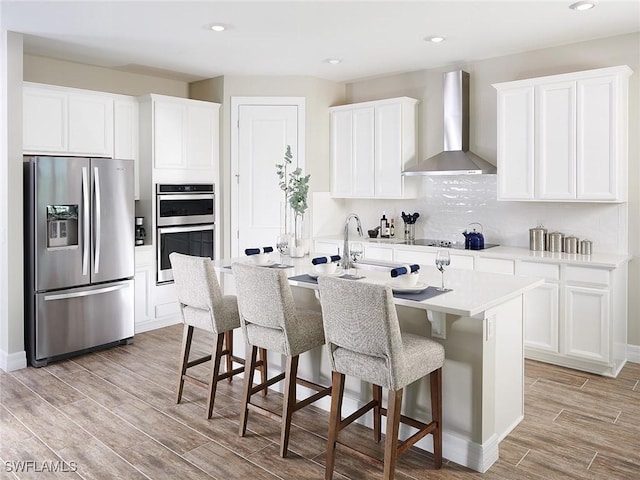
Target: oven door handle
[(187, 228), (189, 196)]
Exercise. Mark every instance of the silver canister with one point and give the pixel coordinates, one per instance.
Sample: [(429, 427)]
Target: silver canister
[(554, 242), (585, 247), (570, 244), (537, 238)]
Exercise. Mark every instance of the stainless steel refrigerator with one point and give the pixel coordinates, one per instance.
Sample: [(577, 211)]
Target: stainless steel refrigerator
[(79, 255)]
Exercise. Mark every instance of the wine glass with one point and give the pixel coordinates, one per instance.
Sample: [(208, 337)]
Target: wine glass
[(442, 260), (356, 252), (282, 244)]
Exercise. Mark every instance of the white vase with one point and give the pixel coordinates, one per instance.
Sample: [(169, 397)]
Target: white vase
[(298, 245)]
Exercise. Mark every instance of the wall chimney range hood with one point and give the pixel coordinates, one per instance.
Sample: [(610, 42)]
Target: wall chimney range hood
[(456, 159)]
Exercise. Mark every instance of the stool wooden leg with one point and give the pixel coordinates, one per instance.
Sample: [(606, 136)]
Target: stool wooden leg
[(335, 416), (249, 369), (435, 379), (377, 414), (187, 335), (216, 357), (228, 338), (394, 403), (289, 402), (263, 369)]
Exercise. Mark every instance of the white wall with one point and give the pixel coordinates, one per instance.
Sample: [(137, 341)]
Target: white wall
[(449, 205), (12, 355)]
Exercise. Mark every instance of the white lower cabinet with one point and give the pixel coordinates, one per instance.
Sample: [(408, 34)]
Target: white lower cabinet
[(428, 258), (587, 323), (541, 317), (143, 283)]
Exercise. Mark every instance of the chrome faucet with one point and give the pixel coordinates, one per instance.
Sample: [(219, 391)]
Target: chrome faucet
[(345, 251)]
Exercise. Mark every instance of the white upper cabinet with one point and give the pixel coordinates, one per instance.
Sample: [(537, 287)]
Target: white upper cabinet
[(564, 137), (67, 121), (125, 137), (185, 133), (371, 143)]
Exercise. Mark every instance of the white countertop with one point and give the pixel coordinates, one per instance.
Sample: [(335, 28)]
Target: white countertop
[(473, 292), (512, 253)]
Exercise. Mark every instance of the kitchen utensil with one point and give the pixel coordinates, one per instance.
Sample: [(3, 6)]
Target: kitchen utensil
[(474, 240), (570, 244), (554, 241), (537, 238), (373, 233), (585, 247)]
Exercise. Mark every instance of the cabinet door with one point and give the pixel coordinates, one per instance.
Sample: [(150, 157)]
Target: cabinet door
[(362, 166), (125, 135), (494, 265), (541, 318), (596, 139), (341, 148), (556, 141), (91, 125), (515, 144), (375, 252), (201, 125), (170, 123), (586, 323), (388, 151), (327, 248), (44, 120)]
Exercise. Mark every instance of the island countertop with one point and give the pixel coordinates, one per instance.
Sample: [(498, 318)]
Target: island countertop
[(472, 292)]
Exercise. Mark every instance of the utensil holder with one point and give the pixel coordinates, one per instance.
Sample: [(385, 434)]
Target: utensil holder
[(410, 231)]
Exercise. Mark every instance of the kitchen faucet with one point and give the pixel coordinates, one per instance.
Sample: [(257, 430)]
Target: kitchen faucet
[(345, 251)]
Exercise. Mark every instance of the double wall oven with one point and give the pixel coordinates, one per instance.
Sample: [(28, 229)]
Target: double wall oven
[(185, 223)]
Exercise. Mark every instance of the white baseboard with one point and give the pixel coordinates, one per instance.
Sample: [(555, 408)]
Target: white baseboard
[(633, 353), (13, 361), (153, 324)]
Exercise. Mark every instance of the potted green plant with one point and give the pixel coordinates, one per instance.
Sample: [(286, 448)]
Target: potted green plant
[(295, 186)]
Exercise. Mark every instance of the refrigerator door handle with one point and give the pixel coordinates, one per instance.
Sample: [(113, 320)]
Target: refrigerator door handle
[(96, 261), (84, 293), (85, 221)]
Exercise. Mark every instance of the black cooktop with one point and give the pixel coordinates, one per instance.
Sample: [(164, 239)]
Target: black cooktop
[(429, 242)]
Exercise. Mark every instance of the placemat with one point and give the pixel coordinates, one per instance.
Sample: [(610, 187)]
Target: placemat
[(309, 279), (429, 292)]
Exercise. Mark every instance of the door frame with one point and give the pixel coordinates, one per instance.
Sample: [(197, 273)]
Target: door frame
[(236, 103)]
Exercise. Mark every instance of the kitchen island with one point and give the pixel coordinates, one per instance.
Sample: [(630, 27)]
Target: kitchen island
[(480, 325)]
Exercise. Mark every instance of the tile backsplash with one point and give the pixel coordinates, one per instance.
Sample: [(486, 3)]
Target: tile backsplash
[(448, 204)]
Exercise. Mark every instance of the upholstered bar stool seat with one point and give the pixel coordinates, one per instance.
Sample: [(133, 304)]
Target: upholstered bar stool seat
[(363, 340), (270, 320), (203, 306)]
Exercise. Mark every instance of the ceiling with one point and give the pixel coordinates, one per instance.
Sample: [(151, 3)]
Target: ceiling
[(372, 38)]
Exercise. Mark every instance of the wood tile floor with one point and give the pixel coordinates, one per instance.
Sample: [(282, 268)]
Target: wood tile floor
[(111, 414)]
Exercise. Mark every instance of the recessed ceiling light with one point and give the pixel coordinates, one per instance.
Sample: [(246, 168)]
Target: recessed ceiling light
[(435, 39), (582, 5), (218, 28), (334, 61)]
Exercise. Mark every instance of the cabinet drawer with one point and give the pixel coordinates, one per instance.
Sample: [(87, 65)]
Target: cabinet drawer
[(591, 276), (328, 248), (495, 265), (378, 253), (429, 258), (542, 270)]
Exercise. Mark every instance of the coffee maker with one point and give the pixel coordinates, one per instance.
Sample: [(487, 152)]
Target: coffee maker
[(140, 232)]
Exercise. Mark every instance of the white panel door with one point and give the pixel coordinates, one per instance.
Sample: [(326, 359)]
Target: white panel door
[(596, 156), (44, 121), (388, 151), (91, 125), (170, 134), (202, 144), (362, 167), (341, 150), (556, 141), (515, 144), (541, 317), (264, 131), (587, 323)]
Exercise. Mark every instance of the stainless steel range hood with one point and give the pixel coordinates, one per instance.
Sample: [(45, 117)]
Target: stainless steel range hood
[(456, 158)]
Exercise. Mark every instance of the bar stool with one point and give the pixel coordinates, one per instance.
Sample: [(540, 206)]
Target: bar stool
[(270, 320), (203, 306), (364, 341)]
